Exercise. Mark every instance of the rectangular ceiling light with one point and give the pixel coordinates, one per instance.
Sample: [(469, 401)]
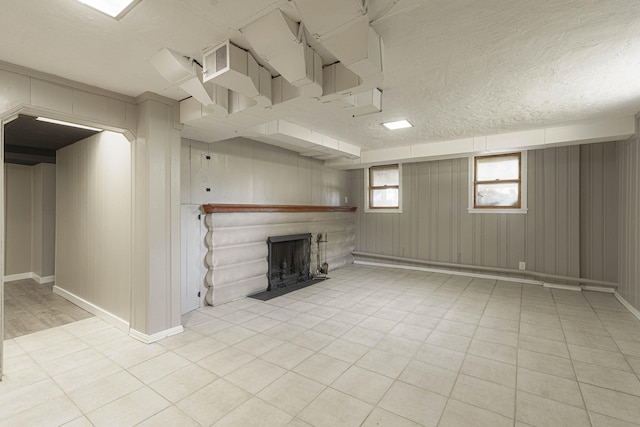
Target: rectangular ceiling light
[(60, 122), (114, 8), (400, 124)]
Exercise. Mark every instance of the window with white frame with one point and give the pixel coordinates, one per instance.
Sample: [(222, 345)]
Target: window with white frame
[(498, 183), (383, 188)]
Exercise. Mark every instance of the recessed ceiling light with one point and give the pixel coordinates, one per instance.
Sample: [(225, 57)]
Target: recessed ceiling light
[(74, 125), (400, 124), (114, 8)]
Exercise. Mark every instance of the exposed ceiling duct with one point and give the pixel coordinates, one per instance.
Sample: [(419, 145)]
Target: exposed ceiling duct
[(286, 50), (237, 90), (302, 140), (182, 71), (342, 27), (235, 69)]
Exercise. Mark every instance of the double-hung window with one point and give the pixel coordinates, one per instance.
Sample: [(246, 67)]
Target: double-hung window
[(383, 188), (498, 183)]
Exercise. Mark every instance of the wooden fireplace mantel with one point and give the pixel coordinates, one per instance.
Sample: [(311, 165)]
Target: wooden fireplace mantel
[(229, 208)]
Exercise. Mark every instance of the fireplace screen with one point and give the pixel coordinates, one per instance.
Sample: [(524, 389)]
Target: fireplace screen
[(289, 259)]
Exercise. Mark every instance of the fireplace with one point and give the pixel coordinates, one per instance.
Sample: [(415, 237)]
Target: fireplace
[(289, 260)]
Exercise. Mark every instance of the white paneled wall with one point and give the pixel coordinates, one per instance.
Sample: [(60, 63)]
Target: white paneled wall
[(241, 171), (93, 222), (244, 171)]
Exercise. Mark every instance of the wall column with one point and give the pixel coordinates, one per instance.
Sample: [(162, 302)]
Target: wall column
[(155, 295)]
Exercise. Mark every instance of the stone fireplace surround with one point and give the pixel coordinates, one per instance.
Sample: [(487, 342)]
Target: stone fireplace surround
[(237, 242)]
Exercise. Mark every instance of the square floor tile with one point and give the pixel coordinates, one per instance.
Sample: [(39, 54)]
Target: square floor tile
[(225, 361), (321, 368), (333, 408), (490, 396), (183, 382), (538, 411), (459, 413), (380, 417), (255, 412), (490, 370), (345, 350), (613, 379), (429, 377), (545, 363), (158, 367), (384, 363), (291, 392), (255, 375), (129, 409), (416, 404), (550, 387), (287, 355), (612, 403), (363, 384), (214, 401)]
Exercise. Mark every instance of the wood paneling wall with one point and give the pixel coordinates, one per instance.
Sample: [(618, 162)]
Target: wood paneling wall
[(244, 171), (18, 205), (599, 211), (435, 224), (629, 203), (93, 222)]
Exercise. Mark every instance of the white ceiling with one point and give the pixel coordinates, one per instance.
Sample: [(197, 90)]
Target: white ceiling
[(454, 68)]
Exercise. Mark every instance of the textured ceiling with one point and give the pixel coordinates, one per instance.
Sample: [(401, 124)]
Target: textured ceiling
[(454, 68)]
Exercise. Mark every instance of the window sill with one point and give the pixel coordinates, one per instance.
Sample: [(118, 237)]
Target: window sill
[(383, 210), (497, 211)]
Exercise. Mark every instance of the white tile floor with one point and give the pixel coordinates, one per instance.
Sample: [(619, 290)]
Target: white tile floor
[(370, 347)]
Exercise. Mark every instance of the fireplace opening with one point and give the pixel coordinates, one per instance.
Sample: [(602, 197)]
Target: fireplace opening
[(289, 260)]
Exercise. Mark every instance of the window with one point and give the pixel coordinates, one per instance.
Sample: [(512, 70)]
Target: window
[(383, 188), (498, 183)]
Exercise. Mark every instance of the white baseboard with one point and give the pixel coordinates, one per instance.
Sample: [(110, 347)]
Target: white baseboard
[(148, 339), (46, 279), (19, 276), (599, 289), (114, 320), (627, 305), (577, 288), (29, 275), (451, 272)]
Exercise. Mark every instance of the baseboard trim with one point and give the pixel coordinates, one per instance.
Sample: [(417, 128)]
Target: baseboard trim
[(451, 272), (19, 276), (30, 275), (43, 280), (627, 305), (114, 320), (148, 339), (563, 287)]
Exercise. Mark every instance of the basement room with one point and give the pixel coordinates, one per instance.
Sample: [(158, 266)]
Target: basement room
[(320, 213)]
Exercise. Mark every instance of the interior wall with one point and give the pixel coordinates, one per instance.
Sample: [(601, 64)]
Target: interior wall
[(599, 211), (249, 172), (93, 222), (43, 218), (629, 203), (435, 224), (18, 222)]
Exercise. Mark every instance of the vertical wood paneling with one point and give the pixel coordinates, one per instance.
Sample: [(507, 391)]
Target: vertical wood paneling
[(93, 222), (436, 226), (599, 211), (629, 242)]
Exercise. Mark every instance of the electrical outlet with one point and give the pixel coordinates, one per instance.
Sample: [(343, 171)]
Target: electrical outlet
[(522, 265), (346, 199)]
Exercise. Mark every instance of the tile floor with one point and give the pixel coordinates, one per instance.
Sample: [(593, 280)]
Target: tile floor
[(370, 347)]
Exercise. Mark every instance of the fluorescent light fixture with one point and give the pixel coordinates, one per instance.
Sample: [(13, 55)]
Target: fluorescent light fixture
[(114, 8), (400, 124), (60, 122)]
